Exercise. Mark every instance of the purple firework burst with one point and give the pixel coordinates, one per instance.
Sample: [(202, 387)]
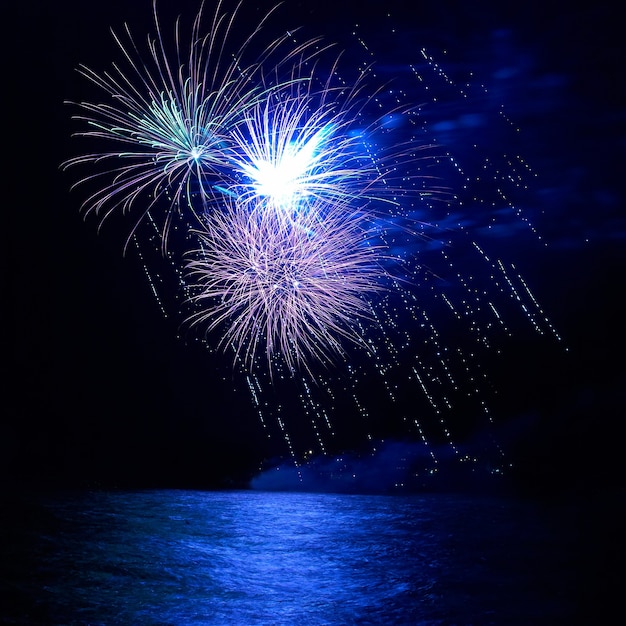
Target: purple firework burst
[(285, 288)]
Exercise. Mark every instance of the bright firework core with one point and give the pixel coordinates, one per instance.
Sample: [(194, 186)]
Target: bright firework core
[(292, 149), (285, 178)]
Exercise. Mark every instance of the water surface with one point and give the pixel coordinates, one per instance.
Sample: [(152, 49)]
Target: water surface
[(247, 557)]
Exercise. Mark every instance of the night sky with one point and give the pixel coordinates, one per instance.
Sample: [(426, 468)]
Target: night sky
[(102, 390)]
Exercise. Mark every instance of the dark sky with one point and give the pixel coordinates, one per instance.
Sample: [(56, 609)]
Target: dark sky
[(100, 389)]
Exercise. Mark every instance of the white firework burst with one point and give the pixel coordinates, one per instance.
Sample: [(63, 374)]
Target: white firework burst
[(300, 144)]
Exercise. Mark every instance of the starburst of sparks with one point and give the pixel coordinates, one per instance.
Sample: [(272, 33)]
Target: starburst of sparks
[(294, 288), (301, 144)]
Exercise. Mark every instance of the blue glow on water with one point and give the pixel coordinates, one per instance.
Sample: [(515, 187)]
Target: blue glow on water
[(180, 557)]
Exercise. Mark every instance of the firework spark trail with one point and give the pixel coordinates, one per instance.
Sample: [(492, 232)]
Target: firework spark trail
[(290, 157), (292, 288)]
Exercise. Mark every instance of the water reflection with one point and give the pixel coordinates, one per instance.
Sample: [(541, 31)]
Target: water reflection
[(177, 557)]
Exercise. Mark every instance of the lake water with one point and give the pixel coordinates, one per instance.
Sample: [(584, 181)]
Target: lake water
[(248, 557)]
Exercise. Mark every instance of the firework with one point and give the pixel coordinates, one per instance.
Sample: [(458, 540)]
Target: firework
[(301, 144), (293, 289), (169, 125)]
